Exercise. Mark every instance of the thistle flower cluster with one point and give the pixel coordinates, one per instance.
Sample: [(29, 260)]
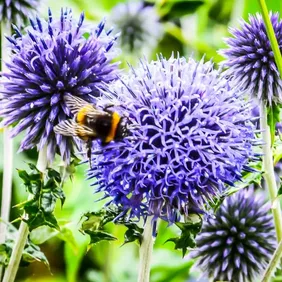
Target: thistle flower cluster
[(52, 59), (250, 58), (139, 25), (190, 138), (238, 242)]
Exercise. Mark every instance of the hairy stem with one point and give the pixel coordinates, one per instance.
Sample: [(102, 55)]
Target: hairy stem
[(268, 168), (12, 269), (275, 260), (7, 151), (271, 35), (145, 253)]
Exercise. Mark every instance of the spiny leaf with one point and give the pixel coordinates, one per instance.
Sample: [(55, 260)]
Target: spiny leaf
[(189, 230), (46, 189), (40, 218), (93, 220), (95, 223), (94, 227), (133, 233), (24, 176), (31, 251), (99, 235)]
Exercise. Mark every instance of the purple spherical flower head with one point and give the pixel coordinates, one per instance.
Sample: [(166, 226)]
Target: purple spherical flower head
[(250, 59), (16, 11), (52, 59), (238, 242), (190, 137)]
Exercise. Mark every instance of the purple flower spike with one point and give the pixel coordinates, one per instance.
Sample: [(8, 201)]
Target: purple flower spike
[(190, 137), (238, 243), (251, 61), (52, 59)]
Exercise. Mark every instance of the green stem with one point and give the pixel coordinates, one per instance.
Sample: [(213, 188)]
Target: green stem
[(275, 260), (145, 253), (268, 168), (7, 151), (271, 36), (12, 269)]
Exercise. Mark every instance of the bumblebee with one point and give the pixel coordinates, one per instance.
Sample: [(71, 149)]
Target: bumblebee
[(91, 123)]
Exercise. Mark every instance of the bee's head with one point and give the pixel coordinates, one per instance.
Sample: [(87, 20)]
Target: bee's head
[(123, 129)]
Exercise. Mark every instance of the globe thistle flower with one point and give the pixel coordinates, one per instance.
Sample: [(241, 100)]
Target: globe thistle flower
[(251, 61), (238, 242), (190, 137), (52, 59), (139, 25), (16, 11)]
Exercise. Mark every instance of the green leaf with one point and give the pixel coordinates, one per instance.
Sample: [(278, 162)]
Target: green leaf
[(59, 194), (48, 202), (189, 230), (95, 222), (273, 117), (24, 176), (40, 218), (53, 174), (133, 233), (40, 235), (46, 189), (172, 9), (99, 235), (33, 167), (31, 251), (5, 253)]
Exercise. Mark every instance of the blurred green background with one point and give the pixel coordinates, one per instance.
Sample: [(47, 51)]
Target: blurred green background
[(194, 28)]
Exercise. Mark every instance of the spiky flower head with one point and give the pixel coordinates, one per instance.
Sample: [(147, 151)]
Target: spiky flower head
[(52, 59), (251, 61), (17, 11), (238, 242), (139, 25), (190, 136)]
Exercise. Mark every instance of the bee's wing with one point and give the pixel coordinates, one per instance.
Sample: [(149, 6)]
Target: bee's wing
[(66, 128), (70, 128), (85, 132), (94, 113), (75, 103)]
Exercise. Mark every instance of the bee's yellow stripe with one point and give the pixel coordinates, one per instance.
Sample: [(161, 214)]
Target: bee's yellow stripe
[(81, 115), (115, 122)]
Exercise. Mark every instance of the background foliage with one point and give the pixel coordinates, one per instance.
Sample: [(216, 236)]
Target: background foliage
[(191, 27)]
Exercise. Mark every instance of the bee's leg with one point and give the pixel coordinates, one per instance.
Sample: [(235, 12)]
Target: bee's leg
[(89, 146), (108, 106)]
